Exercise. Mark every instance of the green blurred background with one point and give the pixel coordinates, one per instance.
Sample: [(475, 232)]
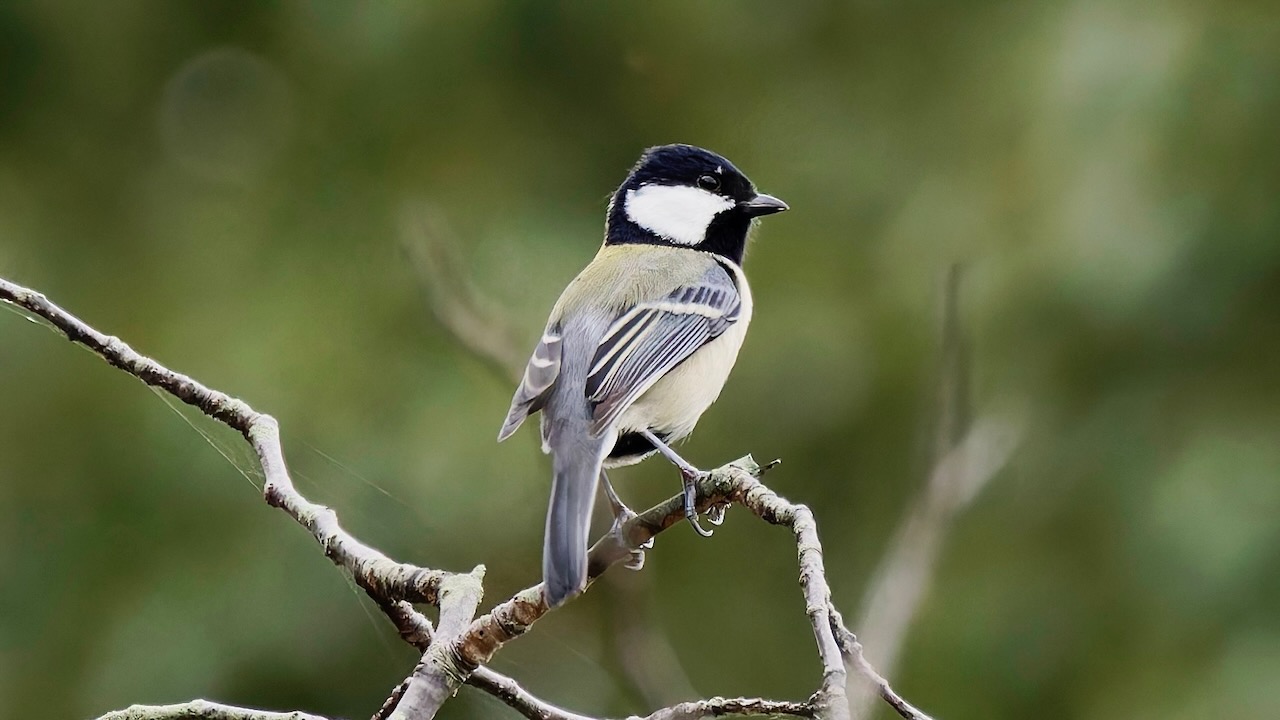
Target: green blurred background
[(225, 185)]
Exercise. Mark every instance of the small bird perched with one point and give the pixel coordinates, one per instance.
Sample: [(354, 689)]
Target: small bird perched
[(641, 342)]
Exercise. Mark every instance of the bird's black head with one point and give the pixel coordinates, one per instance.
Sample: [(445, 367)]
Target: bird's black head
[(684, 196)]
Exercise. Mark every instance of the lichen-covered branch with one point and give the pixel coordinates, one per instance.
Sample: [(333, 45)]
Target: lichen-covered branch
[(202, 710), (720, 707)]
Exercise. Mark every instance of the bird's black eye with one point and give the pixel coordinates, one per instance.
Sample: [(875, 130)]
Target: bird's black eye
[(709, 182)]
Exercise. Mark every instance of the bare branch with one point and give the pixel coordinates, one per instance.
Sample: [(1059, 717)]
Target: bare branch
[(737, 482), (202, 710), (775, 509), (851, 649), (371, 569), (718, 707), (438, 675), (413, 626), (457, 651), (509, 691), (513, 617), (416, 630), (377, 574)]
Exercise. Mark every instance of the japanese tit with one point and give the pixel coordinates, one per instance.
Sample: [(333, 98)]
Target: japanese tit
[(641, 342)]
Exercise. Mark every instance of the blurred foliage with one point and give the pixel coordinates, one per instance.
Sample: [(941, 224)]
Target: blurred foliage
[(223, 185)]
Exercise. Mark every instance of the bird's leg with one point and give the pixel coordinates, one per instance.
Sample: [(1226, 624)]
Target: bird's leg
[(621, 514), (689, 475)]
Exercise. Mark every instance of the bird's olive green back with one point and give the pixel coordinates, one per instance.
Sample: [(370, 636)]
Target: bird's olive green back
[(622, 276)]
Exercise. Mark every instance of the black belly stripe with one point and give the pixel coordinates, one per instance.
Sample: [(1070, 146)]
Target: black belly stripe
[(631, 444)]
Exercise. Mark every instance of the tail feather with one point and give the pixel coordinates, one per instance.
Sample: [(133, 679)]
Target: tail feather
[(573, 494)]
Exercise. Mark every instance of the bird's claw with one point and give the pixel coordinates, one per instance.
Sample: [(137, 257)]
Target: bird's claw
[(715, 513), (636, 562), (690, 502), (693, 520), (637, 553)]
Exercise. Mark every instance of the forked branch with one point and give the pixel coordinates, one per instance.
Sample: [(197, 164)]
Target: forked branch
[(457, 650)]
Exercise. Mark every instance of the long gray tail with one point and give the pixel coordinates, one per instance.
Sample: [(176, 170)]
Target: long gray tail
[(573, 494)]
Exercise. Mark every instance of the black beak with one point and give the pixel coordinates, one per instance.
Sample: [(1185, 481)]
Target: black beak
[(763, 205)]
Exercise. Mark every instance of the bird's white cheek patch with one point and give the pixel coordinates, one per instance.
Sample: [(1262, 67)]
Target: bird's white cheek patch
[(677, 212)]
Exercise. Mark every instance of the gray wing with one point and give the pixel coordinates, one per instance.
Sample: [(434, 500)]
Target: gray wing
[(648, 340), (539, 375)]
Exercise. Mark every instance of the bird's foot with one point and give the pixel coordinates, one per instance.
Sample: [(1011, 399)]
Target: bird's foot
[(690, 475), (620, 520), (621, 515)]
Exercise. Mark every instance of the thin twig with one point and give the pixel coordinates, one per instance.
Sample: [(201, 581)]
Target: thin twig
[(522, 701), (851, 649), (775, 509), (417, 630)]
